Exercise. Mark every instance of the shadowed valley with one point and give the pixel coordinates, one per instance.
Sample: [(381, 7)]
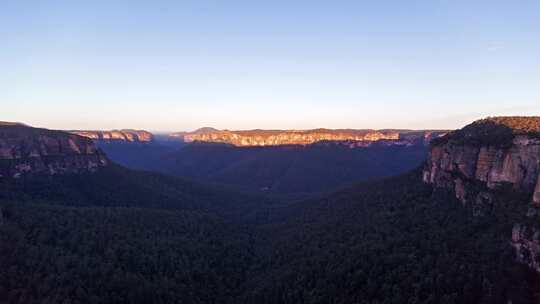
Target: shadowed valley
[(108, 234)]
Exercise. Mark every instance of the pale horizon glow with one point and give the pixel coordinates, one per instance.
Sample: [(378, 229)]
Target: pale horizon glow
[(182, 65)]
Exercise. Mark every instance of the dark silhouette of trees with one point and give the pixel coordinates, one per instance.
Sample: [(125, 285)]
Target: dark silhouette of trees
[(121, 236)]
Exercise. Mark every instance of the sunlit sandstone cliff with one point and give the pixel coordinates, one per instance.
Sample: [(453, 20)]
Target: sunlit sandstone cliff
[(27, 150), (117, 135), (485, 156), (298, 137)]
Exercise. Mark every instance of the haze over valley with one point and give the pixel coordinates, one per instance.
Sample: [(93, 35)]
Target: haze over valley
[(470, 193), (269, 152), (273, 161)]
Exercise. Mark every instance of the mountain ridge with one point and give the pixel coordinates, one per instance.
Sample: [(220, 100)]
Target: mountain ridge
[(260, 137), (128, 135), (26, 151), (119, 235)]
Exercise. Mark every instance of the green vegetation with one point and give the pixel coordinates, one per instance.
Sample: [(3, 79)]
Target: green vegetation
[(291, 169), (494, 131), (122, 236), (10, 130), (394, 241), (519, 124), (57, 254), (116, 186), (86, 239)]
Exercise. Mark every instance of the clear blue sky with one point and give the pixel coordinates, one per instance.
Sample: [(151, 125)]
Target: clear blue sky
[(179, 65)]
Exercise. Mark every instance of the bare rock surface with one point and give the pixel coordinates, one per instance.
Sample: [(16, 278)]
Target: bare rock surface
[(488, 155), (247, 138), (127, 135), (27, 150)]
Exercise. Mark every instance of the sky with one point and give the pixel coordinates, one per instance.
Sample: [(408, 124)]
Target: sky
[(180, 65)]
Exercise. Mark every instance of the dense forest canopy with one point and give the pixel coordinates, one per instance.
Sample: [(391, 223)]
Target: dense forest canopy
[(392, 241), (123, 236)]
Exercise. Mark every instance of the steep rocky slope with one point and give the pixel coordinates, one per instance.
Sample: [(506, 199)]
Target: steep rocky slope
[(298, 137), (289, 137), (120, 236), (490, 152), (487, 157), (26, 150), (117, 135)]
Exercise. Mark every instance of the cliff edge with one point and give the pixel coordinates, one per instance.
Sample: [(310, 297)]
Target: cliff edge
[(487, 157), (25, 150), (250, 138), (491, 152), (127, 135)]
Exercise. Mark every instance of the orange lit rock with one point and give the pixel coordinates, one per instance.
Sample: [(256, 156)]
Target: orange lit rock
[(117, 135), (287, 137)]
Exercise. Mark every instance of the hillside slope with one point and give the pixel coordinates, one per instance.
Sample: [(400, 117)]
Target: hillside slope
[(292, 169), (486, 158), (116, 235), (391, 241), (29, 151), (41, 164)]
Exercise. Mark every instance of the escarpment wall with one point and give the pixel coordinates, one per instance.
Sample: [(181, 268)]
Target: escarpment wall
[(287, 137), (117, 135), (474, 171), (455, 166), (25, 150)]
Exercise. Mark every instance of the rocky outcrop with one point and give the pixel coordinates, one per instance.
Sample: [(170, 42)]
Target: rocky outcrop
[(117, 135), (455, 165), (536, 195), (25, 150), (289, 137), (303, 137), (526, 242), (489, 155)]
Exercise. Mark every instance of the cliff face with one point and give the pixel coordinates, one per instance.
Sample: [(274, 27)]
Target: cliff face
[(25, 150), (117, 135), (490, 153), (296, 137), (486, 156), (453, 166), (536, 196)]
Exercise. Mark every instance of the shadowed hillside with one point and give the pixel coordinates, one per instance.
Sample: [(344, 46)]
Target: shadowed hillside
[(114, 235)]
